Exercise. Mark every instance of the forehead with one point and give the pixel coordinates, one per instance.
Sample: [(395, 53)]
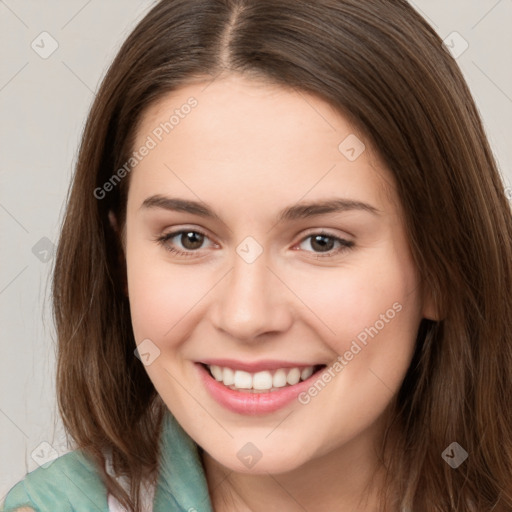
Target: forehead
[(254, 137)]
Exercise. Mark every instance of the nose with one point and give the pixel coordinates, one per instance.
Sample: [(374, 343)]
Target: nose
[(251, 301)]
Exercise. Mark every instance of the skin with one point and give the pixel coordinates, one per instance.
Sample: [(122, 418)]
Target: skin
[(248, 150)]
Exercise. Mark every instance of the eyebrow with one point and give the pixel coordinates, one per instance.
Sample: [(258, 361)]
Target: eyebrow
[(295, 212)]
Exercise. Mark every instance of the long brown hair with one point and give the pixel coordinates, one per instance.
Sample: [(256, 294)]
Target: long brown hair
[(381, 64)]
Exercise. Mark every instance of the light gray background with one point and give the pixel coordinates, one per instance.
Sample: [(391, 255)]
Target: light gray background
[(44, 103)]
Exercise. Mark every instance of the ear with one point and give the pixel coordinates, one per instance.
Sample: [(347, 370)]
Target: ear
[(120, 251)]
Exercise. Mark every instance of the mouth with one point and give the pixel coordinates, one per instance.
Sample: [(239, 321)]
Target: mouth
[(265, 381), (256, 392)]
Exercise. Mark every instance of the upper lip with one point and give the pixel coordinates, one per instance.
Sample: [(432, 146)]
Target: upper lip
[(256, 366)]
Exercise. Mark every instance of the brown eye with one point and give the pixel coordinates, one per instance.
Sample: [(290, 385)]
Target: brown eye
[(189, 240), (323, 244)]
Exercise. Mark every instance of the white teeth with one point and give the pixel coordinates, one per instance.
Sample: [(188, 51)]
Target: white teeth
[(243, 380), (293, 376), (279, 379), (216, 372), (228, 376), (306, 373), (260, 381)]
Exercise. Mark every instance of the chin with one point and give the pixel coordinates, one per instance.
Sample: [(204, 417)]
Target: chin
[(251, 460)]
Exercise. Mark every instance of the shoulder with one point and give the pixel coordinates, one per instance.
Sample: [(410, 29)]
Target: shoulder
[(69, 483)]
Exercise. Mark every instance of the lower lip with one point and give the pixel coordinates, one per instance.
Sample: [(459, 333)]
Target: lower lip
[(248, 403)]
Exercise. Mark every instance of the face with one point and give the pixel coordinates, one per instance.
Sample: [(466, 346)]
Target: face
[(240, 283)]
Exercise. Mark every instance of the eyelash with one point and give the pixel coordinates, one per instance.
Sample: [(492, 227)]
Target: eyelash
[(162, 240)]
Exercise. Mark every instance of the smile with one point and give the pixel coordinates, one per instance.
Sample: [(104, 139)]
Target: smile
[(263, 381), (256, 392)]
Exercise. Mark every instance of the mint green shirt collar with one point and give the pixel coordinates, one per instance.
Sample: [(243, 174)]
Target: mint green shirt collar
[(182, 477), (72, 483)]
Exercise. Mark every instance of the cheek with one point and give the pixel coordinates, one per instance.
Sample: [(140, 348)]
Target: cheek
[(346, 302), (369, 316), (161, 295), (374, 312), (379, 347)]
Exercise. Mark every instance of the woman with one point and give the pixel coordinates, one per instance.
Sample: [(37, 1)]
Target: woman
[(291, 210)]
